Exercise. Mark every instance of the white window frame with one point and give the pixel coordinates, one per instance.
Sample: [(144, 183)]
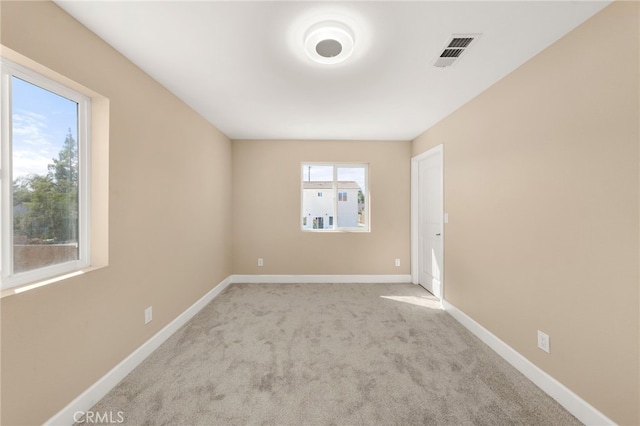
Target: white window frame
[(335, 227), (9, 280)]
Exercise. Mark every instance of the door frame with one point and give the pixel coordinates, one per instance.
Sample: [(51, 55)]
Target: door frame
[(415, 188)]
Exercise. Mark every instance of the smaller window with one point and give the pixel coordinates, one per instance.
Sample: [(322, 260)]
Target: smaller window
[(335, 197)]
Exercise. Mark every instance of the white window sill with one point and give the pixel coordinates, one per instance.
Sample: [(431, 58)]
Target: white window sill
[(38, 284), (334, 231)]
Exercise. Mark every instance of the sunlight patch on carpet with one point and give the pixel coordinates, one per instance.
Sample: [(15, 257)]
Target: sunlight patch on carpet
[(426, 302)]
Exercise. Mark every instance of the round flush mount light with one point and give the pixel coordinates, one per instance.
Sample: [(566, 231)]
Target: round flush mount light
[(329, 42)]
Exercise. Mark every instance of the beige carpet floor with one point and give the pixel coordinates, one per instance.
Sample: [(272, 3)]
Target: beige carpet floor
[(327, 354)]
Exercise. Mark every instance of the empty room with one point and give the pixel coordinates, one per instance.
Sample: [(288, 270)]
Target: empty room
[(319, 213)]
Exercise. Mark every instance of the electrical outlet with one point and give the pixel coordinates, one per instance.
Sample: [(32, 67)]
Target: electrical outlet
[(397, 262), (260, 261), (148, 315), (543, 341)]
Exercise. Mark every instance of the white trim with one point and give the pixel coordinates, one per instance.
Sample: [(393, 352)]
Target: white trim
[(317, 279), (415, 187), (577, 406), (99, 389), (6, 181)]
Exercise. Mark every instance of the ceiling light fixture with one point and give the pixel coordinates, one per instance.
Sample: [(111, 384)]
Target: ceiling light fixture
[(329, 42)]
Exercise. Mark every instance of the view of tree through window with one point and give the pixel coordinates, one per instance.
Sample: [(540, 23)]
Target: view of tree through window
[(45, 177), (338, 191)]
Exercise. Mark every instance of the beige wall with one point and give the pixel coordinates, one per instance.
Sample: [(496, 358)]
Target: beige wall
[(266, 209), (541, 187), (170, 196)]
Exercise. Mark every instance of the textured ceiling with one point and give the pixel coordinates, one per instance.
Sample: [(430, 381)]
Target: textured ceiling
[(241, 65)]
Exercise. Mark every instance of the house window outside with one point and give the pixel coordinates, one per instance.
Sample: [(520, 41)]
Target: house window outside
[(45, 185), (344, 204), (318, 223)]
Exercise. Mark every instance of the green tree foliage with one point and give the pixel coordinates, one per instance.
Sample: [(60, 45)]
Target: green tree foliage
[(46, 207)]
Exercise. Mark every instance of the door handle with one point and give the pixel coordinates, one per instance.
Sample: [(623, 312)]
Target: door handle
[(438, 234)]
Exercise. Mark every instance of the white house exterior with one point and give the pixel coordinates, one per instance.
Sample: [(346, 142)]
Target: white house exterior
[(318, 205)]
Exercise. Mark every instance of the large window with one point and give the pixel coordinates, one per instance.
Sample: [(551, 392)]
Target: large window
[(344, 190), (45, 177)]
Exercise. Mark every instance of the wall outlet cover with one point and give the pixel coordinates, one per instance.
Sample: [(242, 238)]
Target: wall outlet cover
[(543, 341)]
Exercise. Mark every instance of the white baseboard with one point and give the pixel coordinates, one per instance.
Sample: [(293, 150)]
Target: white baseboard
[(99, 389), (316, 279), (577, 406)]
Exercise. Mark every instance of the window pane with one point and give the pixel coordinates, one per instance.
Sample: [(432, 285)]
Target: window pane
[(317, 196), (334, 197), (351, 202), (45, 177)]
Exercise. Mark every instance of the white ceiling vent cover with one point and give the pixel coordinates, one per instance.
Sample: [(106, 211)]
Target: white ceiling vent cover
[(454, 48)]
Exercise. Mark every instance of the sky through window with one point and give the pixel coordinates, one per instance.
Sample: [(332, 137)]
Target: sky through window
[(41, 121)]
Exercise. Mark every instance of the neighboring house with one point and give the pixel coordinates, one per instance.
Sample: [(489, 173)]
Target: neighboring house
[(318, 200)]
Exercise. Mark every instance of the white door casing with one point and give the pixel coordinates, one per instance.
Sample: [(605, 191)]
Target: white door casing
[(427, 230)]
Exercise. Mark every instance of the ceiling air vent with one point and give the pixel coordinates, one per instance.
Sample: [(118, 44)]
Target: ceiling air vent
[(454, 48)]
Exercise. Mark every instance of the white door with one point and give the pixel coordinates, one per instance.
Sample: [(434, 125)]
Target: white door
[(430, 221)]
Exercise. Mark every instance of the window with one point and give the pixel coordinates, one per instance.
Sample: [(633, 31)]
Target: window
[(45, 178), (345, 197)]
